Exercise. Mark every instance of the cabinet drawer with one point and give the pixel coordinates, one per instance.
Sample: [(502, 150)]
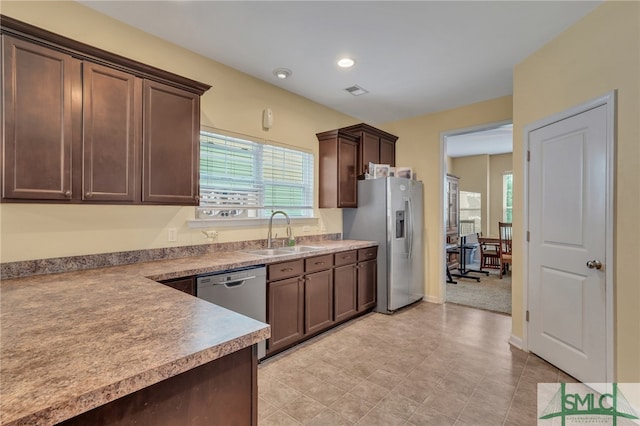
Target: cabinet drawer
[(282, 270), (346, 257), (318, 263), (367, 253)]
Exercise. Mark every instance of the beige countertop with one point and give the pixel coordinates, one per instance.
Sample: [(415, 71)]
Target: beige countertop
[(74, 341)]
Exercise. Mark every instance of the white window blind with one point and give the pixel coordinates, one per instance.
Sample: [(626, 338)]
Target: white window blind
[(507, 196), (241, 178)]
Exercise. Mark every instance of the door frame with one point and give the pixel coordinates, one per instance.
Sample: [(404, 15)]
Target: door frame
[(443, 175), (609, 101)]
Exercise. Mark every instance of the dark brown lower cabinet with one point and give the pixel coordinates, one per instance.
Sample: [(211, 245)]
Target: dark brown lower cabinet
[(307, 298), (221, 392), (367, 278), (187, 285), (285, 312), (318, 291), (345, 286)]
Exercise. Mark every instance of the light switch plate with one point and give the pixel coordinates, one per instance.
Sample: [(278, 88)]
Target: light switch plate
[(172, 235)]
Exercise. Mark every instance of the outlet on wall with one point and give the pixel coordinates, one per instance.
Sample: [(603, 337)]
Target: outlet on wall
[(172, 234)]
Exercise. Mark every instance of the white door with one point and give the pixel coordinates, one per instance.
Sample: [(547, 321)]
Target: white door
[(567, 225)]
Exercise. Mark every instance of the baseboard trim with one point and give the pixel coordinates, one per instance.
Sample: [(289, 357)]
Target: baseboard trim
[(516, 342), (433, 299)]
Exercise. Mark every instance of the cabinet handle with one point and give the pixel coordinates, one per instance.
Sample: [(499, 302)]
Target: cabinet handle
[(88, 194), (67, 193), (346, 257), (286, 269), (196, 197), (319, 263)]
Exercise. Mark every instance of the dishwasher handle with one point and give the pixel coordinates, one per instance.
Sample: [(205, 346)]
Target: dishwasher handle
[(234, 283)]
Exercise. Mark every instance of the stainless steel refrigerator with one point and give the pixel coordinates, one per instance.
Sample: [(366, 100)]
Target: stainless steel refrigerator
[(390, 211)]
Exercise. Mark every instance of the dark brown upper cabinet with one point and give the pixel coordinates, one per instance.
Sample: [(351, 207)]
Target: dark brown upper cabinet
[(376, 146), (338, 169), (37, 127), (82, 125), (171, 145), (111, 115), (344, 158)]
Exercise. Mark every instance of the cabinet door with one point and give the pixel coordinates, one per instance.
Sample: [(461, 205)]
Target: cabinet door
[(285, 312), (170, 145), (387, 152), (187, 285), (369, 151), (347, 173), (319, 301), (112, 122), (367, 284), (345, 292), (37, 88)]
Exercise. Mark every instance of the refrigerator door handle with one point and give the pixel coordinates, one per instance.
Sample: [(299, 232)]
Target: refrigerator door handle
[(410, 227)]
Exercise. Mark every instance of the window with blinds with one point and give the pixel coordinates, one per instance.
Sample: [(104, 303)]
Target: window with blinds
[(245, 179), (507, 196)]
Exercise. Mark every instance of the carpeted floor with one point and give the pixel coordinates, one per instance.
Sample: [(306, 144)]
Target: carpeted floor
[(491, 293)]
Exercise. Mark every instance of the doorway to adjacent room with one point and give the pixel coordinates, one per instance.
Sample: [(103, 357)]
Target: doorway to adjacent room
[(477, 182)]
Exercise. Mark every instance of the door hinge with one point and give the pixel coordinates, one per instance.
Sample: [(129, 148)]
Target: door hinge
[(528, 155), (527, 316), (528, 236)]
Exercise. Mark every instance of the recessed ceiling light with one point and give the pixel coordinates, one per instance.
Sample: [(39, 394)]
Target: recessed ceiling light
[(346, 62), (282, 73)]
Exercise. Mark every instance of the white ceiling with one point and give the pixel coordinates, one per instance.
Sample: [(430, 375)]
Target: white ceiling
[(414, 57), (497, 140)]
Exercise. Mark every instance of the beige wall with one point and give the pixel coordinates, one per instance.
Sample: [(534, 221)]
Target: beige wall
[(499, 164), (449, 165), (419, 146), (599, 54), (234, 103), (473, 172)]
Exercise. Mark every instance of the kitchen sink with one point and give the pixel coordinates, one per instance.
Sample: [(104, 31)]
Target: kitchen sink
[(280, 251), (268, 252), (300, 249)]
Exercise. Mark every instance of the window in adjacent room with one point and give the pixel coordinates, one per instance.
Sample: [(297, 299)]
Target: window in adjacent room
[(470, 212), (507, 197), (244, 179)]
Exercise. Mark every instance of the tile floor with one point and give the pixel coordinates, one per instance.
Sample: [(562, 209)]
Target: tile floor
[(428, 364)]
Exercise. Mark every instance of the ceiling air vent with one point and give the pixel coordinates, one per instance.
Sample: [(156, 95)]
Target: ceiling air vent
[(356, 90)]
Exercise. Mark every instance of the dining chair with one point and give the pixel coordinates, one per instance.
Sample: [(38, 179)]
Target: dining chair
[(489, 253), (505, 246)]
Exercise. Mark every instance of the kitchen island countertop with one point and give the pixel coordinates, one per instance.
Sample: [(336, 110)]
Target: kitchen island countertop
[(74, 341)]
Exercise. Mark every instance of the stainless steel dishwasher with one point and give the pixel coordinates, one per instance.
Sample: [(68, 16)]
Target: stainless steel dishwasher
[(241, 290)]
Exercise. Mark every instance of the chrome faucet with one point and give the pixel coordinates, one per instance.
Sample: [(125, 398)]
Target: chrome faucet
[(289, 236)]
